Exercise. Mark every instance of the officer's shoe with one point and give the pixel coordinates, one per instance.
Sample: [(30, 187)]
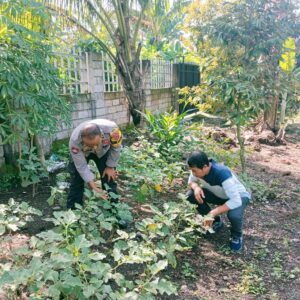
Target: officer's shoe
[(236, 244)]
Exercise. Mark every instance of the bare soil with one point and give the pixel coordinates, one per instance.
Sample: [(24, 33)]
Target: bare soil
[(269, 265)]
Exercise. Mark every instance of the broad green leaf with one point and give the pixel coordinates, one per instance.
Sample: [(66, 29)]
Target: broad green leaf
[(159, 266), (13, 227), (54, 292), (81, 242), (89, 291), (2, 229), (97, 256), (165, 286)]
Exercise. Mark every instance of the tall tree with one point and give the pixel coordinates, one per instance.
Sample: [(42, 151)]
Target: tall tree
[(241, 44), (255, 30), (162, 28), (122, 20)]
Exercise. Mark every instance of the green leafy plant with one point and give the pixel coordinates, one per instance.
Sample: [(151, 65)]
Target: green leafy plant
[(30, 101), (73, 260), (14, 215), (31, 169), (187, 271), (9, 178), (252, 281), (261, 191), (167, 128), (58, 196), (277, 265), (145, 170), (60, 148)]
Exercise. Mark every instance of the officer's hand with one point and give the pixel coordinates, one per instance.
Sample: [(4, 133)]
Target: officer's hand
[(102, 194), (110, 173), (199, 194)]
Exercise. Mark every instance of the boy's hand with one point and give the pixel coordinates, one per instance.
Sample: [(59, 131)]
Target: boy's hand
[(208, 221), (199, 194)]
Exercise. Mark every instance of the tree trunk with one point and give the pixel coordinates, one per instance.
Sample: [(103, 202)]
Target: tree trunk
[(8, 155), (242, 147), (270, 115), (132, 80), (283, 108), (39, 148)]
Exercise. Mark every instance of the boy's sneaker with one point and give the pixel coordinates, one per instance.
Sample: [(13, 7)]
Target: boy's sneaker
[(236, 244)]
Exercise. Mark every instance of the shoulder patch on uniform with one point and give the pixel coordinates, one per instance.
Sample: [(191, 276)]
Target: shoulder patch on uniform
[(75, 150), (116, 137), (105, 141)]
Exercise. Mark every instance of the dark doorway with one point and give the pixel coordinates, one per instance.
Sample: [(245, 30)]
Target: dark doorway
[(187, 75)]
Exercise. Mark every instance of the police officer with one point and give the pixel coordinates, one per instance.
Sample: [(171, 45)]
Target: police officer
[(99, 140)]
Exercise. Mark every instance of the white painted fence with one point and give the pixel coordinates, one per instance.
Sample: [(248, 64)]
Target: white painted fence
[(73, 65)]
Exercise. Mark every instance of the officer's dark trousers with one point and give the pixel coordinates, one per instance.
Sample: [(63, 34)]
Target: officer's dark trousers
[(235, 216), (77, 184)]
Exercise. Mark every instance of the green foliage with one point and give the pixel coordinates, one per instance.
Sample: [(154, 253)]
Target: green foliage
[(14, 216), (73, 261), (187, 271), (261, 191), (32, 170), (200, 140), (252, 281), (145, 170), (8, 178), (58, 196), (61, 149), (240, 49), (164, 37), (29, 85), (167, 129)]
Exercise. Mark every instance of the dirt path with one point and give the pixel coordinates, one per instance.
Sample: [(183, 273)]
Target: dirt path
[(269, 266)]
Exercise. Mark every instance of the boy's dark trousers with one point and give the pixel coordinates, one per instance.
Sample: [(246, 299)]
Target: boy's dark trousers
[(235, 216), (77, 183)]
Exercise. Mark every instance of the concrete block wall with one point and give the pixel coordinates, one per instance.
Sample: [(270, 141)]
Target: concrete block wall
[(160, 100), (116, 108), (96, 103)]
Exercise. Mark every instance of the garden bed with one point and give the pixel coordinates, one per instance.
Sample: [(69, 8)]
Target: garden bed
[(268, 267)]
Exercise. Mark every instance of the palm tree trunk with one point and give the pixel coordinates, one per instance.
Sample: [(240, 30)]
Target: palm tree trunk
[(242, 147)]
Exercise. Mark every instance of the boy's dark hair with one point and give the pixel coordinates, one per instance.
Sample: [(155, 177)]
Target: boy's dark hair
[(90, 131), (198, 159)]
